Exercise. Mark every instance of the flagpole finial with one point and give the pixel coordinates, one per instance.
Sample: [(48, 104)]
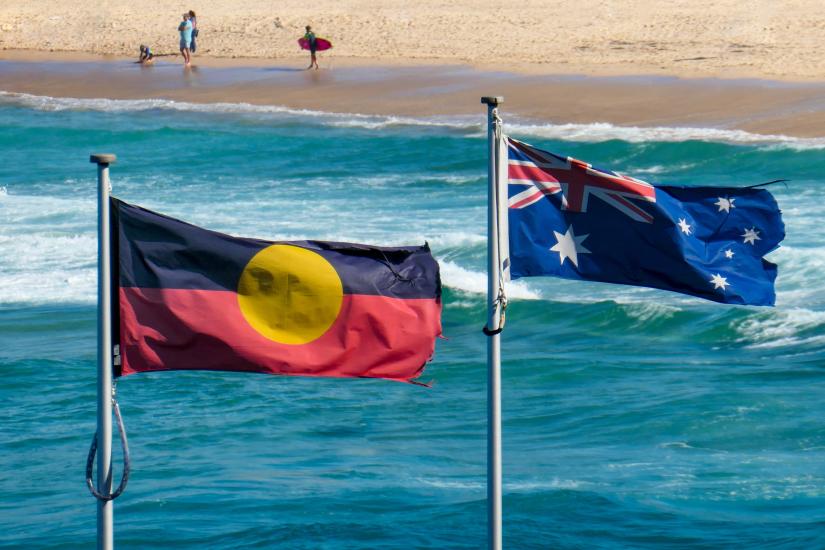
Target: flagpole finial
[(492, 100), (102, 158)]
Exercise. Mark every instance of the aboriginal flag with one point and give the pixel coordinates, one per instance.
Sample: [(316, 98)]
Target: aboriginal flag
[(190, 298)]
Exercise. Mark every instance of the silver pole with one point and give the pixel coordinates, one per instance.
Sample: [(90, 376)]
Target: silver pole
[(493, 341), (105, 529)]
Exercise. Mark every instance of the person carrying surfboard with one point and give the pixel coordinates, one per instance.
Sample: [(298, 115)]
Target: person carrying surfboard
[(313, 46)]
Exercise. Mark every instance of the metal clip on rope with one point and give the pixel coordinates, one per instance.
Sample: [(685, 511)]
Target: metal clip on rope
[(500, 302), (126, 462)]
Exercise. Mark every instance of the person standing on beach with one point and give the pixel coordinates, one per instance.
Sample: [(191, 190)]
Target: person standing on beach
[(185, 29), (313, 45), (194, 20)]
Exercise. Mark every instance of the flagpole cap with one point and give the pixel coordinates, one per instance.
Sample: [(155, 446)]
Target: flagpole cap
[(492, 100), (102, 158)]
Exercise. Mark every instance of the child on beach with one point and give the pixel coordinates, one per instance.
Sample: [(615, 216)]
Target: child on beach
[(185, 29), (146, 55), (194, 19), (310, 37)]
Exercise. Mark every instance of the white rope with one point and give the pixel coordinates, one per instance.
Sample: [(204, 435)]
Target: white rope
[(500, 302)]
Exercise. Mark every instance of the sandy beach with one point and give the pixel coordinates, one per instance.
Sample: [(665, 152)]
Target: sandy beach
[(755, 66), (723, 38)]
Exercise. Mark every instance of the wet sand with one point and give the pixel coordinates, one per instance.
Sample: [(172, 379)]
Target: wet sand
[(424, 89)]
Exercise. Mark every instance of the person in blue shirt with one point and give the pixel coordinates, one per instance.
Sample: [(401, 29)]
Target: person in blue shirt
[(146, 55), (185, 29)]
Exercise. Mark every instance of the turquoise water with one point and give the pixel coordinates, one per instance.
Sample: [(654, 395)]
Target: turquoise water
[(632, 418)]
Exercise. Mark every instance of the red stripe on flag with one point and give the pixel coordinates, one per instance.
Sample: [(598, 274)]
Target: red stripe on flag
[(373, 336), (528, 200), (630, 206), (523, 172), (534, 197), (608, 182)]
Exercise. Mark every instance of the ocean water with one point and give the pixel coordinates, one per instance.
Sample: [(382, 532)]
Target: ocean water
[(633, 418)]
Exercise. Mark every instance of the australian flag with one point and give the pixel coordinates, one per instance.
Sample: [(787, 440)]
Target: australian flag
[(569, 219)]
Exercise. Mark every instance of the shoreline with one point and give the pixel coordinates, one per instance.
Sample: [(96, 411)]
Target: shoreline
[(412, 88), (516, 68)]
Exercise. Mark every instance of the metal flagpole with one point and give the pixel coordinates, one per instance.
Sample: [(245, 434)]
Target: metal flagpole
[(492, 330), (105, 530)]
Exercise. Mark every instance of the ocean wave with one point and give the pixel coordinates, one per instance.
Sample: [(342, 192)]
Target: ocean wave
[(550, 485), (53, 266), (603, 131), (379, 122), (799, 282), (63, 286), (345, 120), (445, 484), (661, 169), (458, 239), (676, 445), (515, 486), (795, 327), (644, 312), (472, 125), (475, 282)]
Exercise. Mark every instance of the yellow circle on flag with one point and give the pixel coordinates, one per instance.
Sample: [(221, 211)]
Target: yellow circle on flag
[(290, 294)]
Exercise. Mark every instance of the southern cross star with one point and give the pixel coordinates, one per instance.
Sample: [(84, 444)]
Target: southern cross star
[(719, 281), (684, 226), (725, 204), (728, 253), (569, 246), (751, 236)]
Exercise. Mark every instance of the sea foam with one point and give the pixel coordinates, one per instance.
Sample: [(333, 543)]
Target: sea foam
[(467, 124)]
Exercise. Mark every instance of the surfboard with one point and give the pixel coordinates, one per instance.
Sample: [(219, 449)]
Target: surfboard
[(321, 44)]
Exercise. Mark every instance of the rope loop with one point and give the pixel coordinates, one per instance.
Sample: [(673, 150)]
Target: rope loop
[(497, 122), (499, 303), (127, 466)]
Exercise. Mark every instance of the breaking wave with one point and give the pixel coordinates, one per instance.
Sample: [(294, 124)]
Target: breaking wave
[(466, 124)]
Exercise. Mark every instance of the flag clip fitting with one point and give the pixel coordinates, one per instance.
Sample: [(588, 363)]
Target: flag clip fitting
[(500, 302)]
